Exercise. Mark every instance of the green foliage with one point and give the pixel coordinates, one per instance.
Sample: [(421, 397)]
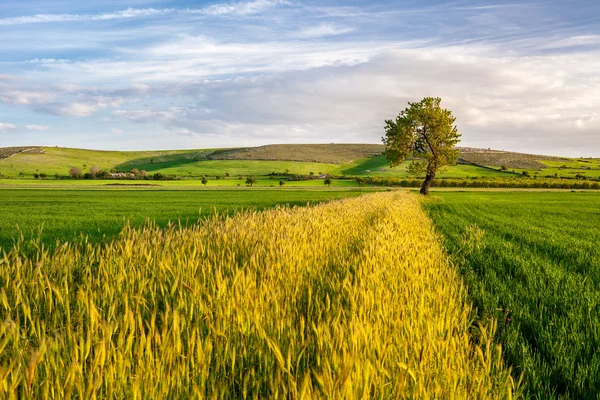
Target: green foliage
[(327, 181), (532, 260), (204, 180), (426, 132), (250, 180)]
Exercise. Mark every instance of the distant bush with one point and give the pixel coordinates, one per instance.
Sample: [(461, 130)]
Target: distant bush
[(75, 173), (94, 171)]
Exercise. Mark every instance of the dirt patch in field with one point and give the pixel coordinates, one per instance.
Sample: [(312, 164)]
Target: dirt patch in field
[(321, 153)]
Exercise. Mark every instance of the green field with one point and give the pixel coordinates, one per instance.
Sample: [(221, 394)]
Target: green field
[(182, 184), (63, 214), (532, 261)]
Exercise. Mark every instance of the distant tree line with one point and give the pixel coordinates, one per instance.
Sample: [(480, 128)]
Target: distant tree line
[(98, 173), (525, 183)]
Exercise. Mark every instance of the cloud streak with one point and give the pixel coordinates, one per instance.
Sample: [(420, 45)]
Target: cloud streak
[(6, 127), (34, 127), (242, 8)]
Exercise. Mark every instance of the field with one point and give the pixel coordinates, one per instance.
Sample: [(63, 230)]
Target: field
[(211, 183), (320, 301), (532, 261), (62, 214), (348, 299)]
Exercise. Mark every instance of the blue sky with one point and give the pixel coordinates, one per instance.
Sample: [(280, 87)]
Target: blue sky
[(145, 74)]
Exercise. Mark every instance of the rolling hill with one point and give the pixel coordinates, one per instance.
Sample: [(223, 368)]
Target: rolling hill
[(336, 159)]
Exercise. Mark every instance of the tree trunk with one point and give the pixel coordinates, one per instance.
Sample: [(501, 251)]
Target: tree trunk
[(425, 188)]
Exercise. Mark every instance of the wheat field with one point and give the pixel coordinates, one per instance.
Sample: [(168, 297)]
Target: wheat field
[(348, 299)]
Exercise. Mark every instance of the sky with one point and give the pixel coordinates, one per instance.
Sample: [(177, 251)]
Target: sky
[(149, 74)]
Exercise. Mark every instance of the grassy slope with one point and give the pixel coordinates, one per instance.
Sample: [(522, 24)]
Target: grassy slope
[(538, 257), (65, 213), (194, 163)]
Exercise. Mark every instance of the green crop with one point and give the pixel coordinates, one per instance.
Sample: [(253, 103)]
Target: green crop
[(532, 261)]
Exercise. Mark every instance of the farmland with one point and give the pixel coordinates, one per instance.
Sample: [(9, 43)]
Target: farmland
[(532, 261), (63, 214), (313, 302), (305, 284)]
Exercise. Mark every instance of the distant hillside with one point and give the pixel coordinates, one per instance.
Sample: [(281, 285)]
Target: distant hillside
[(299, 159), (497, 158), (319, 153)]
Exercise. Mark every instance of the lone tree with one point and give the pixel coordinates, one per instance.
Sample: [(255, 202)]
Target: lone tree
[(250, 181), (425, 132), (204, 180)]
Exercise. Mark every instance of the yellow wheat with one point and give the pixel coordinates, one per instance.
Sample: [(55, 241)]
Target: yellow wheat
[(349, 299)]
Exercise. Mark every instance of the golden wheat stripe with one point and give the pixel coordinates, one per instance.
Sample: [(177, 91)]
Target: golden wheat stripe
[(349, 299)]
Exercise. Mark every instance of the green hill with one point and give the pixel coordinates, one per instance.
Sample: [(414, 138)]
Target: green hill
[(336, 159)]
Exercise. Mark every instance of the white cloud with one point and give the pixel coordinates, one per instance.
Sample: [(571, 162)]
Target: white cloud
[(573, 41), (5, 127), (34, 127), (77, 110), (513, 102), (324, 30), (242, 8), (116, 131)]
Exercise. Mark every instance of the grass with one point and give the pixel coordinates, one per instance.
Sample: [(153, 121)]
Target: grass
[(101, 214), (532, 260), (348, 299), (183, 183)]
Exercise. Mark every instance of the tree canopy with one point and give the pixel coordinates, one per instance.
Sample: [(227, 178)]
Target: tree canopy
[(426, 133)]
